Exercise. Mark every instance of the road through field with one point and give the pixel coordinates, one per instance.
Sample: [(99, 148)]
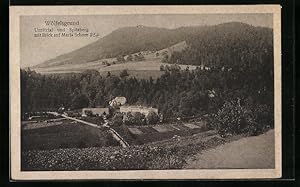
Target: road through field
[(257, 152)]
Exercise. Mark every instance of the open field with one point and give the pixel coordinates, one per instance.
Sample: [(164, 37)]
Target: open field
[(141, 69), (28, 125), (150, 67), (67, 134), (147, 65)]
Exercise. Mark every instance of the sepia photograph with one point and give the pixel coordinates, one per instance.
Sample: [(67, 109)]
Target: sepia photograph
[(135, 91)]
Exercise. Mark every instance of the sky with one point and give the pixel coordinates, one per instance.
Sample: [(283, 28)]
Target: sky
[(36, 50)]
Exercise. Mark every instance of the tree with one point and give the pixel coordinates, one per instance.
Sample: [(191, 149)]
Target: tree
[(129, 58), (139, 119), (124, 73), (99, 100), (139, 57), (152, 118), (175, 93), (165, 59), (104, 62), (128, 119), (120, 58), (89, 113), (80, 101), (162, 68)]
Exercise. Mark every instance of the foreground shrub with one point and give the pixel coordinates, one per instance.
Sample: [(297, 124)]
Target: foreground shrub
[(263, 118), (144, 157), (234, 118)]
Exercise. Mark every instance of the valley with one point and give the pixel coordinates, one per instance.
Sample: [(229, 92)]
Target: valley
[(170, 94)]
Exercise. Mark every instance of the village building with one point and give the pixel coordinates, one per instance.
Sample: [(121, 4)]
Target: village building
[(134, 109), (99, 111)]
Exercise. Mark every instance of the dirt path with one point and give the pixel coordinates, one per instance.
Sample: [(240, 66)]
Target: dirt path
[(257, 152)]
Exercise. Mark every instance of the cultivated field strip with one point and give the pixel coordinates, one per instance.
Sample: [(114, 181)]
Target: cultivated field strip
[(38, 125), (164, 128)]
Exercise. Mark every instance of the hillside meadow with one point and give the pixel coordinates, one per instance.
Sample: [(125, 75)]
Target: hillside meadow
[(67, 134)]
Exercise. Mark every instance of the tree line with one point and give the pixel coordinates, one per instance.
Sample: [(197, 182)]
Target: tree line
[(177, 93)]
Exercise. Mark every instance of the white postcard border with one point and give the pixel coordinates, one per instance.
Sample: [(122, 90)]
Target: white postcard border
[(15, 140)]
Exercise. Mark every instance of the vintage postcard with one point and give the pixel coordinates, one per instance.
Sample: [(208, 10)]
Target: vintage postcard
[(145, 92)]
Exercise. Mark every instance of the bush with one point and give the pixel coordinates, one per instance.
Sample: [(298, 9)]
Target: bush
[(139, 119), (128, 119), (124, 73), (139, 57), (162, 68), (233, 118), (165, 58), (152, 118), (99, 120), (89, 113), (129, 58), (120, 58), (135, 119), (263, 116)]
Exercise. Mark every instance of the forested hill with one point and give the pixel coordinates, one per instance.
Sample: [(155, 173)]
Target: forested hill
[(207, 44), (228, 45)]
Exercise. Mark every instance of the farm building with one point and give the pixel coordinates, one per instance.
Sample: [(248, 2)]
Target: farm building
[(142, 109), (118, 101), (95, 111)]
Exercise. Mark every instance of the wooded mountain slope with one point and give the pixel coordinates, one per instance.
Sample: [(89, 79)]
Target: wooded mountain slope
[(228, 45), (207, 44)]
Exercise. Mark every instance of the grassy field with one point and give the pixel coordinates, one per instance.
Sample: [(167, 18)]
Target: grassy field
[(150, 67), (140, 70), (64, 135)]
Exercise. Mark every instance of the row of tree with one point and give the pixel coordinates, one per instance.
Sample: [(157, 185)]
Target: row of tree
[(135, 119), (177, 93)]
